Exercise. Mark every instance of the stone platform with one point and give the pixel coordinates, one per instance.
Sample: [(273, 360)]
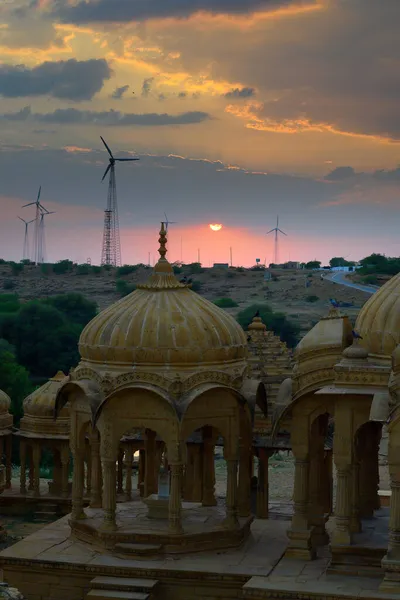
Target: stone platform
[(140, 535), (51, 565)]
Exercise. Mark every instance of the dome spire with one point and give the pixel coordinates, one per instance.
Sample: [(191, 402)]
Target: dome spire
[(163, 276)]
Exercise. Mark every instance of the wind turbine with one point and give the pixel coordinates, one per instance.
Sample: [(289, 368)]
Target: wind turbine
[(277, 231), (39, 228), (42, 240), (169, 222), (111, 249), (25, 253)]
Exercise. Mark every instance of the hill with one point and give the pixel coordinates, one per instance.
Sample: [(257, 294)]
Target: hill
[(286, 293)]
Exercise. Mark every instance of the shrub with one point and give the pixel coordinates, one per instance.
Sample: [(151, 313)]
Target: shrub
[(2, 261), (126, 270), (277, 322), (177, 270), (225, 303), (195, 268), (231, 274), (9, 284), (9, 303), (96, 269), (311, 298), (83, 269), (196, 286), (63, 266), (240, 269), (123, 288), (16, 268), (371, 279), (46, 268)]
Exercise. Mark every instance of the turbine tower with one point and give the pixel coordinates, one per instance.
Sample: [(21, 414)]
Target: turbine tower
[(111, 249), (25, 253), (277, 231), (38, 241)]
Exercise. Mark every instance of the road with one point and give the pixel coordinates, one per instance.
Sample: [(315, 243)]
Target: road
[(340, 278)]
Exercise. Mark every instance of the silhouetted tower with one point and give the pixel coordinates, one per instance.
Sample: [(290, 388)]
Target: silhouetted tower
[(277, 231), (25, 252), (111, 249)]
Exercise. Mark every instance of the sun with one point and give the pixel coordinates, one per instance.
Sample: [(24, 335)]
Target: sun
[(215, 226)]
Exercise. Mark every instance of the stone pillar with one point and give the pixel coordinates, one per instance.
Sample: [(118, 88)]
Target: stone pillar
[(36, 468), (316, 491), (193, 490), (64, 453), (109, 494), (8, 461), (189, 472), (175, 505), (78, 482), (22, 477), (120, 473), (341, 534), (231, 520), (328, 482), (141, 471), (244, 485), (150, 483), (391, 561), (88, 460), (208, 468), (369, 472), (31, 485), (299, 533), (128, 468), (262, 506), (355, 521), (95, 495)]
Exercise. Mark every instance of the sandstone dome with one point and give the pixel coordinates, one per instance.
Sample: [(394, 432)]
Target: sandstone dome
[(378, 321), (42, 401), (5, 402), (163, 325)]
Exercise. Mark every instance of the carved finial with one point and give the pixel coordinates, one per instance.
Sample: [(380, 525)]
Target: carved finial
[(163, 242)]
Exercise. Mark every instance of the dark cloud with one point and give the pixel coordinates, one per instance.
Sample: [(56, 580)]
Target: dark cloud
[(70, 79), (73, 116), (146, 86), (393, 175), (119, 92), (119, 11), (246, 92), (340, 174)]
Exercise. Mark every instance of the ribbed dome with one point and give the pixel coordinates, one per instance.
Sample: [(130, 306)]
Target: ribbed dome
[(163, 324), (5, 402), (379, 320), (42, 401)]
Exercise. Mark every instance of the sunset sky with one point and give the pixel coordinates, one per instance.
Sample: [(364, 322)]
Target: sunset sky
[(239, 110)]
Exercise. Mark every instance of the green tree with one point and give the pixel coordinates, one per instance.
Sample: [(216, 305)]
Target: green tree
[(63, 266), (276, 322), (75, 307), (339, 261), (124, 288), (16, 268), (14, 380), (9, 303), (126, 270), (44, 340), (313, 264), (225, 303)]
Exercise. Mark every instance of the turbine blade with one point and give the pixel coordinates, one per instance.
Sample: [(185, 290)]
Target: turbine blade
[(30, 204), (23, 220), (126, 159), (166, 218), (282, 231), (108, 168), (271, 231), (38, 196), (108, 149)]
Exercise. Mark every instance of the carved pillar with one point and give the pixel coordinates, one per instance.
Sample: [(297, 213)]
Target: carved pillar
[(95, 495), (141, 471), (109, 493), (150, 483), (120, 472), (64, 453), (231, 520), (369, 472), (391, 561), (316, 490), (22, 477), (31, 485), (328, 482), (355, 521), (128, 468), (208, 468), (244, 485), (189, 477), (341, 534), (299, 533), (88, 460), (262, 507), (8, 461), (36, 467), (78, 482), (175, 505)]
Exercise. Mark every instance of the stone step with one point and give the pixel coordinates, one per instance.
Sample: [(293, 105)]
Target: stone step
[(126, 584), (115, 595), (138, 550)]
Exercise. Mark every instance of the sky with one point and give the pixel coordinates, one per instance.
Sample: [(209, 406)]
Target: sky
[(239, 111)]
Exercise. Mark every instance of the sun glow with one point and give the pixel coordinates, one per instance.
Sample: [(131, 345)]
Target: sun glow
[(215, 226)]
